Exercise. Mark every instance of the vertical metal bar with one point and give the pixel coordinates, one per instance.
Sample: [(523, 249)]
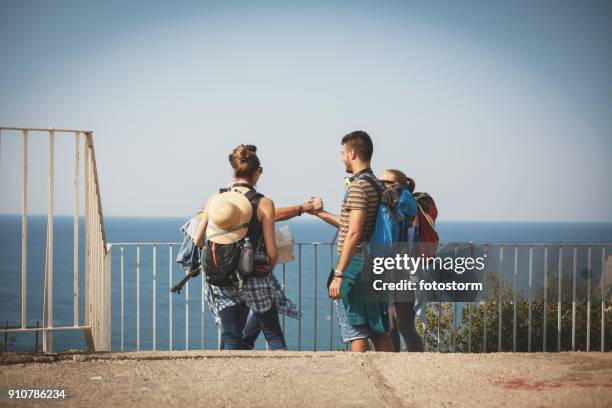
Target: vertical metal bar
[(588, 327), (529, 298), (76, 227), (316, 258), (283, 283), (575, 265), (331, 306), (514, 298), (138, 298), (439, 317), (202, 308), (470, 309), (154, 296), (299, 347), (122, 296), (603, 309), (87, 236), (484, 311), (187, 315), (455, 324), (170, 297), (500, 305), (545, 298), (469, 327), (50, 246), (559, 298), (24, 234)]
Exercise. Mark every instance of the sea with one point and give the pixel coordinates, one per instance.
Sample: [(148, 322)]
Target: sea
[(183, 321)]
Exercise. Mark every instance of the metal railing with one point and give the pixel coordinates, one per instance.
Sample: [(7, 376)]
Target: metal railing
[(96, 327), (506, 309)]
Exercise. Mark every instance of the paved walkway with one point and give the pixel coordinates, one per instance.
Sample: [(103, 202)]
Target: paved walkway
[(324, 379)]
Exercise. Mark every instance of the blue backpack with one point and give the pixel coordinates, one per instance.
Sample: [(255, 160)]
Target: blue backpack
[(396, 212)]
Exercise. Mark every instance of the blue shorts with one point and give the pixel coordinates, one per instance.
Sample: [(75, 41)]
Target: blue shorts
[(350, 332)]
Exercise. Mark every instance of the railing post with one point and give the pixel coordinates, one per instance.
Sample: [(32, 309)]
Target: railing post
[(559, 298), (545, 317), (187, 315), (170, 297), (314, 347), (331, 305), (439, 317), (154, 297), (122, 298), (48, 335), (529, 300), (283, 280), (500, 305), (603, 301), (138, 298), (575, 266), (484, 311), (88, 232), (107, 298), (202, 309), (76, 227), (588, 327), (514, 298), (299, 295), (24, 234)]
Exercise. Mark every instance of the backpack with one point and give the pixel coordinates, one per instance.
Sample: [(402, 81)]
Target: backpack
[(396, 212), (231, 264), (427, 236)]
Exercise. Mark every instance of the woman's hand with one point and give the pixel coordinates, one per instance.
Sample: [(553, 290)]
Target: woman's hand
[(335, 288), (316, 205)]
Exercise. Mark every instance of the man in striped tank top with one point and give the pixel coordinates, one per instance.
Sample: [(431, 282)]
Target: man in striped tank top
[(359, 319)]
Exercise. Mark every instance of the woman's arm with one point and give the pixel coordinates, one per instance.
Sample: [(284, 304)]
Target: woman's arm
[(286, 213), (267, 215), (311, 206)]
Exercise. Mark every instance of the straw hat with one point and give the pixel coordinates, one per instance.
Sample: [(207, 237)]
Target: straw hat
[(229, 214)]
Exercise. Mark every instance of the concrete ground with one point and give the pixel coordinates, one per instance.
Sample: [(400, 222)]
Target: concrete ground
[(323, 379)]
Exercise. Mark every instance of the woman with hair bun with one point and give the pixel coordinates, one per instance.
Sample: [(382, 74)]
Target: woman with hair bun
[(240, 212)]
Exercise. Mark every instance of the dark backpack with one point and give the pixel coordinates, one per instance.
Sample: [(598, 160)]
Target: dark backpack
[(231, 264), (427, 213)]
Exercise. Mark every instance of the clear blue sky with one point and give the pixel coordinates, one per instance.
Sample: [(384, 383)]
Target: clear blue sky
[(501, 110)]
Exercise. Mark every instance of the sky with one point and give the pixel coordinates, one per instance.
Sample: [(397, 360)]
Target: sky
[(500, 110)]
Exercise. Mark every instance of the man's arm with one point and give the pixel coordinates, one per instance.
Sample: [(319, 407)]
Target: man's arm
[(353, 237), (332, 219)]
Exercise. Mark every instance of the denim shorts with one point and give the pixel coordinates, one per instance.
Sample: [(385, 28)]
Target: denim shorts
[(350, 332)]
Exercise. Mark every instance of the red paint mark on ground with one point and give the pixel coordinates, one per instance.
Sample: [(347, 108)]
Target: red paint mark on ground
[(517, 383), (593, 385), (521, 384)]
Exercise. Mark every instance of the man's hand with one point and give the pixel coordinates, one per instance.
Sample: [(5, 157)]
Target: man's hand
[(335, 288), (316, 205)]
